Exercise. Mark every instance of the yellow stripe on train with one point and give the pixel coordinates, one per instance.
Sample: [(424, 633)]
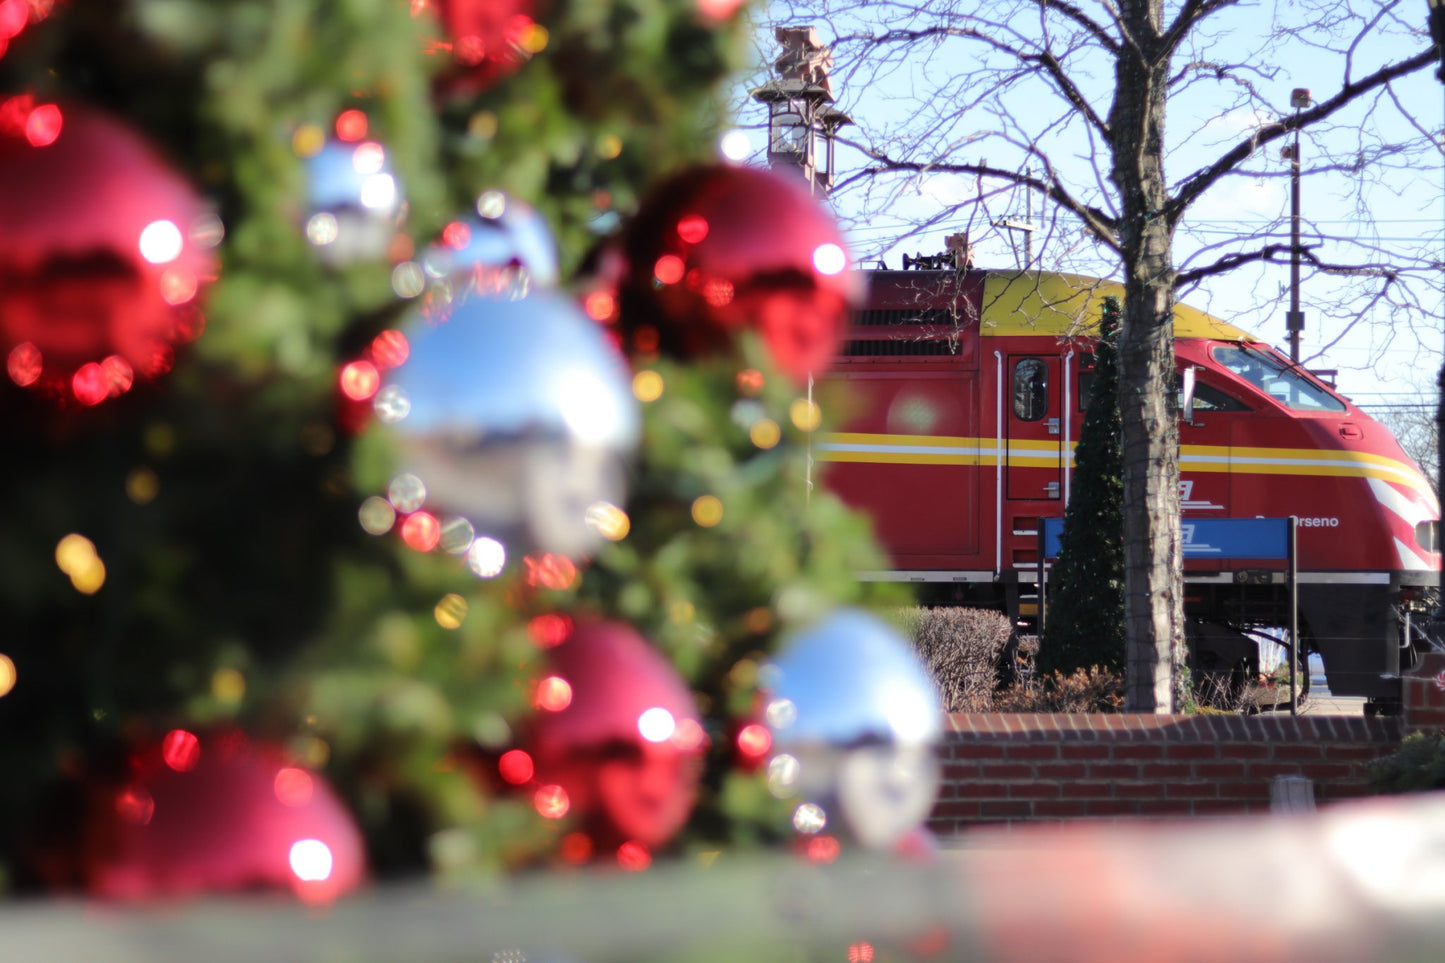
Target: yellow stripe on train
[(859, 448)]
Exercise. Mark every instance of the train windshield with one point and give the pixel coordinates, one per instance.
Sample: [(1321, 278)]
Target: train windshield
[(1276, 377)]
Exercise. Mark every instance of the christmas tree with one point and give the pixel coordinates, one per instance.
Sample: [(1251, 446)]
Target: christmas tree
[(1084, 626), (249, 275)]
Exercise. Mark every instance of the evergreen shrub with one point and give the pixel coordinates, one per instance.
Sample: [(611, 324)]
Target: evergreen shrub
[(1417, 766)]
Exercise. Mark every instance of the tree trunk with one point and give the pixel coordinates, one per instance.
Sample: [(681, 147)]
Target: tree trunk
[(1153, 582)]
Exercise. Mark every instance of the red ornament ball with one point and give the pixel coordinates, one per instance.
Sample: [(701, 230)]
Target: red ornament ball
[(715, 250), (484, 40), (104, 253), (617, 741), (216, 813)]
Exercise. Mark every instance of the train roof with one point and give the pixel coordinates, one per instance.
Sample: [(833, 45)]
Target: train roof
[(1028, 302)]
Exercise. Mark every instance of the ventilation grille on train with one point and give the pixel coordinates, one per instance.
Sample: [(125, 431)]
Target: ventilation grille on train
[(900, 348), (920, 333), (909, 317)]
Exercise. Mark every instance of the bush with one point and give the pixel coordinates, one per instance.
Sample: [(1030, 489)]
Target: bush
[(1095, 689), (964, 651), (1417, 766)]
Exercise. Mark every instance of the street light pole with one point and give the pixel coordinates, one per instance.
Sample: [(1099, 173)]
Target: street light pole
[(1437, 34), (1294, 320)]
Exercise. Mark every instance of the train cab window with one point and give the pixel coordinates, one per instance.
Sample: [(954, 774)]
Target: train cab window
[(1276, 377), (1031, 389), (1207, 398)]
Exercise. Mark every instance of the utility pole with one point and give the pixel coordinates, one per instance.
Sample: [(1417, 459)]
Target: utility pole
[(1437, 34), (1026, 225), (1294, 320)]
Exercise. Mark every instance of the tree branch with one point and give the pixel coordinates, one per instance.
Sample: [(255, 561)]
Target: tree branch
[(1090, 26), (1229, 262), (1044, 59), (1198, 182), (1191, 13)]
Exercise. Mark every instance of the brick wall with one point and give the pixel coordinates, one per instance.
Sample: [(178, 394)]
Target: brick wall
[(1029, 767)]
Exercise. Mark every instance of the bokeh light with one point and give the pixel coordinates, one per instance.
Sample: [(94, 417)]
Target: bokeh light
[(783, 770), (406, 492), (408, 280), (735, 145), (609, 146), (609, 521), (142, 485), (809, 818), (516, 767), (88, 384), (73, 553), (576, 848), (181, 750), (161, 242), (822, 849), (24, 364), (750, 382), (781, 713), (553, 694), (228, 686), (668, 269), (829, 259), (135, 805), (692, 228), (351, 125), (551, 802), (707, 510), (390, 348), (7, 674), (360, 380), (391, 404), (421, 531), (656, 724), (600, 305), (451, 611), (765, 433), (43, 126), (376, 515), (293, 787), (456, 235), (368, 158), (457, 535), (322, 228), (860, 953), (754, 741), (178, 286), (647, 386), (633, 856), (549, 630), (487, 557), (310, 860), (805, 414), (551, 571), (308, 140), (76, 556)]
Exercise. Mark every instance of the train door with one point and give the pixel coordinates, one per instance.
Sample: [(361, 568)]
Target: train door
[(1034, 430)]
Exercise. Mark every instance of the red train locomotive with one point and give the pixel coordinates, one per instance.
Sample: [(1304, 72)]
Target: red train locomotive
[(961, 395)]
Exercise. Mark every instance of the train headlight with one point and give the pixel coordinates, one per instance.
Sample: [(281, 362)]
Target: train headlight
[(1427, 536)]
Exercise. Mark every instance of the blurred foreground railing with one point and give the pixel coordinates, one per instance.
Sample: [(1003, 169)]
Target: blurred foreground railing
[(1356, 881)]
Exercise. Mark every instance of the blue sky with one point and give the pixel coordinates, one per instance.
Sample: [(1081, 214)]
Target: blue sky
[(1390, 210)]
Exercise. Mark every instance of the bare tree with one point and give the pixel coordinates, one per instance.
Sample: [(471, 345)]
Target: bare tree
[(1068, 98), (1418, 431)]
